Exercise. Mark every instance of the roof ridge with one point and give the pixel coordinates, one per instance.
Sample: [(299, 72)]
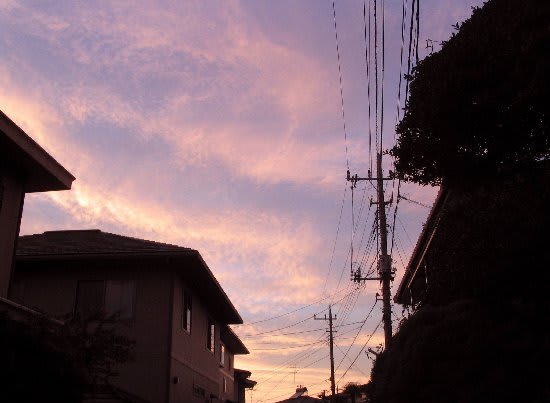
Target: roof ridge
[(91, 241), (144, 240)]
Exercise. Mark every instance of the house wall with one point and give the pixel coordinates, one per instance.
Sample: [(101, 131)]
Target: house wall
[(52, 287), (228, 373), (239, 391), (12, 195), (192, 364)]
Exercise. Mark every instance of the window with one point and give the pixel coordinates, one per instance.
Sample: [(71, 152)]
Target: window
[(119, 299), (224, 385), (110, 298), (186, 312), (211, 336), (89, 298), (199, 391), (222, 355)]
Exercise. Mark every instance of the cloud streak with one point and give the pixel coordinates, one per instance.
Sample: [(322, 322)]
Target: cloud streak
[(215, 126)]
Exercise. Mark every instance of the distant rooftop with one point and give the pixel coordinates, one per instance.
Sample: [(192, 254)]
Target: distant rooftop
[(88, 242)]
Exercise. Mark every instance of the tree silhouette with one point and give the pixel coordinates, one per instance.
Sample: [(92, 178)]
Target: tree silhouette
[(478, 107), (45, 360)]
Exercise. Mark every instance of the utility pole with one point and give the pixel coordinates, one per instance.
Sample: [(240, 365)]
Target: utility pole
[(385, 274), (331, 341)]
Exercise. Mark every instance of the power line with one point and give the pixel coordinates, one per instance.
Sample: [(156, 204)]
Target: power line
[(361, 328), (417, 28), (336, 238), (341, 86), (405, 230), (367, 60), (293, 311), (413, 6), (288, 348), (349, 359), (286, 363), (383, 70), (286, 313), (376, 74), (395, 215), (300, 356), (414, 201), (399, 252), (398, 106), (360, 351), (301, 332), (303, 320), (271, 390)]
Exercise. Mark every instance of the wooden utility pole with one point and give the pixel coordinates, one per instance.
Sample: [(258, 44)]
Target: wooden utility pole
[(331, 344), (384, 259), (385, 275)]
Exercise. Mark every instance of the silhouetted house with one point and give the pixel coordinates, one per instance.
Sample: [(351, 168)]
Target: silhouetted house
[(241, 384), (301, 396), (414, 283), (164, 297), (24, 168), (478, 237)]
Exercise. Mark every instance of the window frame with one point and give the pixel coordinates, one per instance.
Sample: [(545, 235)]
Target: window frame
[(187, 306), (77, 297), (211, 336), (102, 311), (133, 301), (222, 355)]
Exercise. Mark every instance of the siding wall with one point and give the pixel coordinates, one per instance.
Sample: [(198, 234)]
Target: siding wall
[(11, 207), (53, 290), (192, 362)]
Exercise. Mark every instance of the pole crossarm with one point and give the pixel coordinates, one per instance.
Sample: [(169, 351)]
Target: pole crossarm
[(355, 178), (359, 278), (385, 273)]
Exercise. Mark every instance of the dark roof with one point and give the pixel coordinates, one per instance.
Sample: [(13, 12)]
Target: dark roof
[(20, 153), (242, 376), (242, 373), (232, 341), (421, 245), (95, 245), (301, 399), (89, 242)]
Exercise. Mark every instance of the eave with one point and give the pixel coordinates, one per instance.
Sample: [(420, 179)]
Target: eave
[(232, 341), (20, 153), (421, 247)]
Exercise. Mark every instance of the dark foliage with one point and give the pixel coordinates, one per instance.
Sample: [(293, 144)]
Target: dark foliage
[(477, 122), (353, 390), (44, 360), (479, 334), (99, 346), (465, 352), (37, 365), (491, 242), (478, 107)]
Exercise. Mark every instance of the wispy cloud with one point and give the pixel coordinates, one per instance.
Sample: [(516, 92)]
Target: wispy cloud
[(203, 124)]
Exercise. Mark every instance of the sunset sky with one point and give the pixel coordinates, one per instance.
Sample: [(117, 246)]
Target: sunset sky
[(217, 125)]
